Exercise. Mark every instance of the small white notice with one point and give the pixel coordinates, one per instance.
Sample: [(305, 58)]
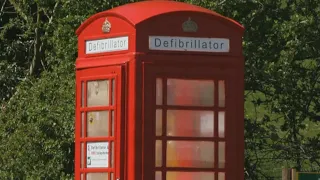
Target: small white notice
[(97, 154), (107, 45), (170, 43)]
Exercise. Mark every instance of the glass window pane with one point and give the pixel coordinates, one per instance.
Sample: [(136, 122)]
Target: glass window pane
[(112, 123), (189, 123), (81, 177), (158, 153), (159, 91), (112, 154), (82, 155), (222, 154), (113, 91), (221, 176), (198, 154), (82, 125), (221, 117), (98, 123), (82, 94), (158, 122), (190, 92), (158, 175), (222, 95), (97, 176), (111, 176), (171, 175), (98, 93)]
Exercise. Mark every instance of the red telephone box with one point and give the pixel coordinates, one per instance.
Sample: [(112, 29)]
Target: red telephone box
[(159, 94)]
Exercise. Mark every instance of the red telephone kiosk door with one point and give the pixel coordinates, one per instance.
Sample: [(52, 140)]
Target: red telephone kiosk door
[(98, 123), (188, 113)]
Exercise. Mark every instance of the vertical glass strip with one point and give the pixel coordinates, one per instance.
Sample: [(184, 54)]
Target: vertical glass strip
[(222, 95), (221, 124), (82, 155), (158, 122), (112, 154), (164, 123), (112, 123), (222, 154), (113, 91), (158, 153), (159, 91), (82, 125), (111, 176), (82, 94)]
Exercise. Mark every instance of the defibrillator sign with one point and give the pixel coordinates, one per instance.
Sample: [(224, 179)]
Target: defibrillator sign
[(97, 154)]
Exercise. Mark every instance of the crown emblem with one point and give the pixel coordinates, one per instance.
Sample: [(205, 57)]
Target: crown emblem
[(189, 26), (106, 26)]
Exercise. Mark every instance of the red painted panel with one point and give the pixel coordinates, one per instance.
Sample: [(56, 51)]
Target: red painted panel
[(170, 25), (93, 31), (135, 13), (233, 75), (100, 73)]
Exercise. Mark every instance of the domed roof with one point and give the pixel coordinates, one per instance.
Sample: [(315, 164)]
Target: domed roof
[(135, 13)]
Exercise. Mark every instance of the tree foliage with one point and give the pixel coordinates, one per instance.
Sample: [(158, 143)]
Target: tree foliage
[(37, 54)]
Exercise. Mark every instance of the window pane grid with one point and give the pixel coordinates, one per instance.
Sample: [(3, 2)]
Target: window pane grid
[(218, 132), (104, 103)]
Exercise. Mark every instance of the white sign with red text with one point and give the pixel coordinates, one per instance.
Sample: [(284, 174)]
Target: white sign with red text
[(97, 154)]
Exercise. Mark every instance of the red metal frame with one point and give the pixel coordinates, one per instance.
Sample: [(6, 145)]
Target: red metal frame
[(83, 76), (151, 72)]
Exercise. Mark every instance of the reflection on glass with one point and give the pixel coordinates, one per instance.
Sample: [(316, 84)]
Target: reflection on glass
[(82, 155), (190, 123), (221, 176), (222, 154), (158, 175), (172, 175), (97, 176), (98, 93), (158, 122), (111, 176), (82, 94), (190, 92), (112, 154), (221, 117), (159, 91), (81, 176), (158, 153), (112, 123), (199, 154), (222, 95), (82, 125), (113, 91), (98, 123)]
